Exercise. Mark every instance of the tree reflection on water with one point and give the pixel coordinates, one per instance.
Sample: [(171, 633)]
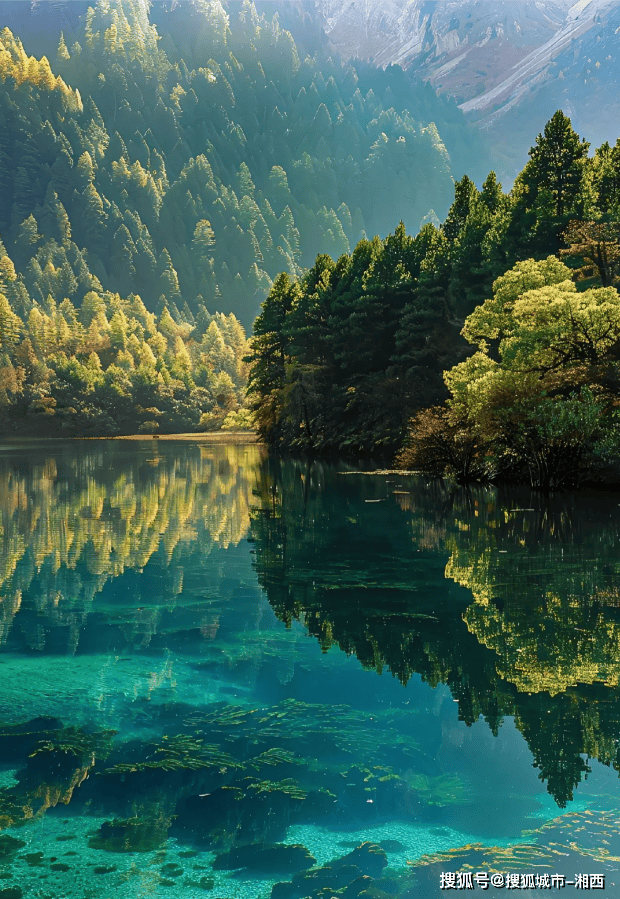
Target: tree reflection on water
[(527, 623)]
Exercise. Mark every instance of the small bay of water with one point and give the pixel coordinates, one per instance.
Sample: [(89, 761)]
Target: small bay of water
[(227, 675)]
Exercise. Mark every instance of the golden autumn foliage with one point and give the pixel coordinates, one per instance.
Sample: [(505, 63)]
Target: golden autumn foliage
[(16, 64), (113, 366), (101, 523)]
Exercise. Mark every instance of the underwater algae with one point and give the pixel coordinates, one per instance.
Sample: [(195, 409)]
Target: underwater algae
[(212, 795)]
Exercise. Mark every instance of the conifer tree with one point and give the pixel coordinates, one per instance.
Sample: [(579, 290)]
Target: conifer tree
[(557, 165), (93, 218), (10, 326)]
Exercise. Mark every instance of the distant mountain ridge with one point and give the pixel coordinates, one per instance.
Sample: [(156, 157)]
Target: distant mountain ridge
[(435, 31), (508, 64), (581, 19)]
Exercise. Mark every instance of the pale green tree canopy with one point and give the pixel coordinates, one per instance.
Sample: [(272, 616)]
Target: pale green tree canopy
[(541, 326), (556, 327), (490, 321)]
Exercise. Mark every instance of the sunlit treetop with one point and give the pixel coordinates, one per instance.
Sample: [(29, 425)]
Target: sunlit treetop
[(16, 64)]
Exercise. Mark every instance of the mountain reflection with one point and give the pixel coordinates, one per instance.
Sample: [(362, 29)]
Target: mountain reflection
[(525, 624), (74, 521)]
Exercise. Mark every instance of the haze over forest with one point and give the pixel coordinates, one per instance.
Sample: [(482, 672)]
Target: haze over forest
[(247, 674), (285, 154), (160, 167), (510, 64)]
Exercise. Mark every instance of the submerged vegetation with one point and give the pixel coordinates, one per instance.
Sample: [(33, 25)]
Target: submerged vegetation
[(210, 796), (163, 711), (155, 699), (509, 643)]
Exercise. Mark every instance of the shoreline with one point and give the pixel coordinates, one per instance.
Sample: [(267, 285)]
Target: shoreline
[(238, 437), (203, 437)]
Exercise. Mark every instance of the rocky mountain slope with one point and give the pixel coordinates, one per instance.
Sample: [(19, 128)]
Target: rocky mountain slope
[(441, 36), (509, 64)]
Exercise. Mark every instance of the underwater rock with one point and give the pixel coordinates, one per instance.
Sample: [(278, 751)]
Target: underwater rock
[(358, 888), (171, 870), (265, 857), (363, 863), (267, 809), (12, 893), (370, 858), (132, 835), (319, 805), (310, 884), (392, 845), (9, 845), (205, 883)]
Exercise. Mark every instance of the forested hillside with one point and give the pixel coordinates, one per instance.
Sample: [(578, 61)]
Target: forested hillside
[(178, 173), (344, 355), (196, 166)]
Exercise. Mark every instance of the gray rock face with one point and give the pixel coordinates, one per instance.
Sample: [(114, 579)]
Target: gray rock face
[(509, 63), (463, 47)]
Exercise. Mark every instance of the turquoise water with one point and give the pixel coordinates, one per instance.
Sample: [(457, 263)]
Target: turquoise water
[(224, 675)]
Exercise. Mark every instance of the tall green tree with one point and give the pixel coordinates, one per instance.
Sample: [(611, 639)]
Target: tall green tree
[(552, 188), (557, 165), (269, 355)]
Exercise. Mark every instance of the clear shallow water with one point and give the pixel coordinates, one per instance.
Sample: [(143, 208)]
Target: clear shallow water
[(218, 671)]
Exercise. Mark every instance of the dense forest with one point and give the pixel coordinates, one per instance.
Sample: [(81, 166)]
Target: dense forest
[(174, 171), (346, 354), (157, 181)]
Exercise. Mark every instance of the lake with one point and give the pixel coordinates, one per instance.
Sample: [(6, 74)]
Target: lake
[(228, 675)]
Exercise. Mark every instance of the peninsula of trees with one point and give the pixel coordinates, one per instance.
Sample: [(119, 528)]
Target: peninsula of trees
[(498, 332)]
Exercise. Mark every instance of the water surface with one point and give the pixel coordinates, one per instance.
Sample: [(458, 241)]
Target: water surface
[(222, 675)]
